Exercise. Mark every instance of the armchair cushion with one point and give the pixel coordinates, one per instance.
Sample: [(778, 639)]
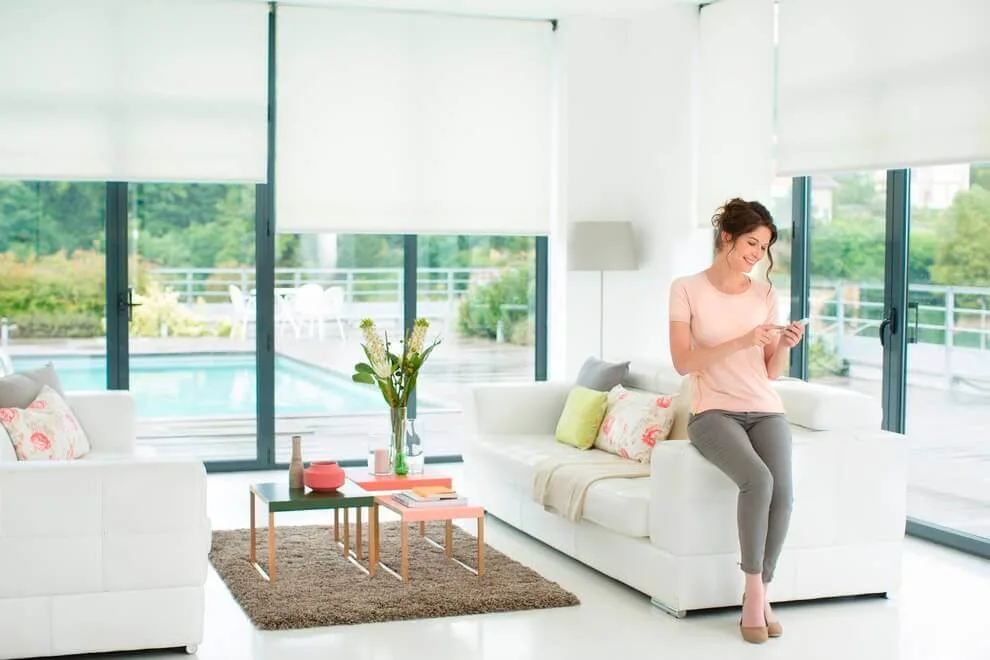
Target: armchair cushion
[(46, 429), (20, 389)]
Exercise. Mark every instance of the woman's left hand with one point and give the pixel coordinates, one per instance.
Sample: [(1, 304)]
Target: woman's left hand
[(792, 334)]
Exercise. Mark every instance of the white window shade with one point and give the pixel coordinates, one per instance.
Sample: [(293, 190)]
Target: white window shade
[(157, 90), (735, 134), (882, 84), (399, 122)]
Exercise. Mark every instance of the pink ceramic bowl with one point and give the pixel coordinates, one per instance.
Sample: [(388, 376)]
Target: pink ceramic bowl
[(324, 476)]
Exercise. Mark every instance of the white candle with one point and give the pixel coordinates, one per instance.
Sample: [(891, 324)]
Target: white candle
[(381, 461)]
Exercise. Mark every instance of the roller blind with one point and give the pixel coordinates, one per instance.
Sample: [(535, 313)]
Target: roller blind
[(156, 90), (882, 84), (403, 122), (735, 135)]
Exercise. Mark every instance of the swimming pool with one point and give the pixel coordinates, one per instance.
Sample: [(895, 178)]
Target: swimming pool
[(215, 384)]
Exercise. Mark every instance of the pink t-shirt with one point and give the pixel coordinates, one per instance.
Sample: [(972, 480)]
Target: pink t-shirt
[(740, 382)]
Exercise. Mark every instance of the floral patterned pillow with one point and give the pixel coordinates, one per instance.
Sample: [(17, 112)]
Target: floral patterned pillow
[(45, 430), (634, 422)]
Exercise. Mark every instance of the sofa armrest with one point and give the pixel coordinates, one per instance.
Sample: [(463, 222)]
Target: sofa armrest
[(130, 524), (516, 408), (108, 418), (821, 407), (848, 487)]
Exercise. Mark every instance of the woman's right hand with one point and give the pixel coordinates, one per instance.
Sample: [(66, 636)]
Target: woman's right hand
[(760, 336)]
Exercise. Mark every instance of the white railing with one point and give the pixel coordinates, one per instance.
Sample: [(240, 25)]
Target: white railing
[(361, 285), (951, 326)]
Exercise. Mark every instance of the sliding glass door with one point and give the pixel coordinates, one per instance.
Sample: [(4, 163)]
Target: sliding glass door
[(948, 375), (900, 310), (191, 318), (847, 234)]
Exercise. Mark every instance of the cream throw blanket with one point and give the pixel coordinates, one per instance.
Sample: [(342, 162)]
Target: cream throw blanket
[(560, 483)]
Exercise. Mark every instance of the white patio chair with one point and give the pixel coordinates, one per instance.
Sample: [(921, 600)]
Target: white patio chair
[(244, 311), (334, 305), (309, 308)]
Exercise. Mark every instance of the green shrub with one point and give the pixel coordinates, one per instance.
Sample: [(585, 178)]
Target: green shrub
[(824, 360), (504, 299)]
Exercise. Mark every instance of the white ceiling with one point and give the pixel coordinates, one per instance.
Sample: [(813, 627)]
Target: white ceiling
[(509, 8)]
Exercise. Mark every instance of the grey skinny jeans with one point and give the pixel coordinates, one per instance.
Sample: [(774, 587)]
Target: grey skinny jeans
[(754, 450)]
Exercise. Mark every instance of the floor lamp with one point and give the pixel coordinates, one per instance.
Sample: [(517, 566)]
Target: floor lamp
[(601, 246)]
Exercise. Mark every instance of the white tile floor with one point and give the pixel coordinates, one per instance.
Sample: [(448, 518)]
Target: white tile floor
[(939, 614)]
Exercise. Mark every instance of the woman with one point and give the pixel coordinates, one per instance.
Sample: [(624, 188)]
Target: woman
[(724, 333)]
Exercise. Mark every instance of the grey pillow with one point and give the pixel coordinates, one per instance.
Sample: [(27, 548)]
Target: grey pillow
[(601, 376), (20, 389)]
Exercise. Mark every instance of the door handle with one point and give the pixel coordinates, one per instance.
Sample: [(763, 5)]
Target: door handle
[(889, 323), (125, 301)]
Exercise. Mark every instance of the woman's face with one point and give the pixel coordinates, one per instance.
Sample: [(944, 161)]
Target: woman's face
[(748, 250)]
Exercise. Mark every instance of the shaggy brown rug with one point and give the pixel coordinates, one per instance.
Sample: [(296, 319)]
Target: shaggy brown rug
[(316, 586)]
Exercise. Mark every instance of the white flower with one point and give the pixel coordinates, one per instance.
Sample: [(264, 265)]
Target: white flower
[(377, 355), (417, 339)]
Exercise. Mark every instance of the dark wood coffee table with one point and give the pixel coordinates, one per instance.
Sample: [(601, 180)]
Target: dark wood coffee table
[(279, 498)]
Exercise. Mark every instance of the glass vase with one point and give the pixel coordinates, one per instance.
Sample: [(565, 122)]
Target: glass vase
[(397, 442)]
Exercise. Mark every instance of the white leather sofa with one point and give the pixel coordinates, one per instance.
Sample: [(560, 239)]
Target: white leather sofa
[(673, 535), (108, 552)]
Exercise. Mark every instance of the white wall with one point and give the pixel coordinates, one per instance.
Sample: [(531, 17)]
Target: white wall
[(627, 151)]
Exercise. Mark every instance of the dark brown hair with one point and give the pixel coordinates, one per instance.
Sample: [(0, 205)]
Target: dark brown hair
[(738, 217)]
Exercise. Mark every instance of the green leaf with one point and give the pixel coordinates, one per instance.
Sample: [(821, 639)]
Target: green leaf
[(365, 378), (364, 368)]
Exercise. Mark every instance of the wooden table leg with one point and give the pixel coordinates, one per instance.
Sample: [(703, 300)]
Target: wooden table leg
[(336, 525), (357, 553), (448, 541), (404, 532), (373, 540), (271, 546), (481, 545), (347, 531), (252, 550)]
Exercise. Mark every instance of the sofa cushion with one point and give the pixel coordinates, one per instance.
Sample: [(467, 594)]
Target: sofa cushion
[(822, 407), (602, 376), (621, 505), (20, 389), (582, 416), (634, 423)]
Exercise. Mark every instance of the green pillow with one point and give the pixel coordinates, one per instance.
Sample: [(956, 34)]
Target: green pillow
[(583, 414)]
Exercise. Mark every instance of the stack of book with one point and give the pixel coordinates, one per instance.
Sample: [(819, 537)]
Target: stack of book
[(429, 496)]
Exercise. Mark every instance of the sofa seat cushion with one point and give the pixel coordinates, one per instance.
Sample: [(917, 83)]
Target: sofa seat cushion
[(515, 457), (618, 504), (621, 505)]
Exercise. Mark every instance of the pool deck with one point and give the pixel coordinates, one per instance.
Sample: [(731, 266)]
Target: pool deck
[(949, 458)]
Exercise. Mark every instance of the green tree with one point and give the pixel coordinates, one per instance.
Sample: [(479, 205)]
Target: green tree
[(964, 241)]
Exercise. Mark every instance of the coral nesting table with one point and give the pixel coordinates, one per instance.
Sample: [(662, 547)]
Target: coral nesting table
[(422, 515)]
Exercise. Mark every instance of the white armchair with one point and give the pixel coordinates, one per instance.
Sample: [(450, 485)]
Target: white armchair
[(108, 552)]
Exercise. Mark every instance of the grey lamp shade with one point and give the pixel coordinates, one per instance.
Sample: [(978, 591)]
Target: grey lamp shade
[(601, 245)]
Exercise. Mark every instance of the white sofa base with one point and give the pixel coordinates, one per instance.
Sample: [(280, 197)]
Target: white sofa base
[(101, 622), (681, 584)]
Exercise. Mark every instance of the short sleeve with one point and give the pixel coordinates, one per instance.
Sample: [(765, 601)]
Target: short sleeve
[(680, 306), (773, 313)]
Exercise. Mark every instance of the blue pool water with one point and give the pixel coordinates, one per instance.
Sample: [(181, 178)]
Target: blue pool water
[(216, 385)]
